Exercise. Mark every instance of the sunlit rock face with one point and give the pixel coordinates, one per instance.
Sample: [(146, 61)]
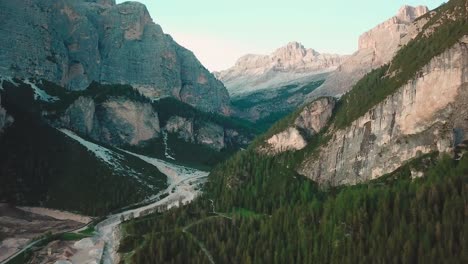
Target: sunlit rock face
[(73, 43), (310, 121), (376, 48), (117, 121), (427, 114), (292, 63)]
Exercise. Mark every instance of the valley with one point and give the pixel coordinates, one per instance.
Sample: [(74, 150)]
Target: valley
[(183, 186), (118, 145)]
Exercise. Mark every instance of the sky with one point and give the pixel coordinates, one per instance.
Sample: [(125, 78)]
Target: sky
[(221, 31)]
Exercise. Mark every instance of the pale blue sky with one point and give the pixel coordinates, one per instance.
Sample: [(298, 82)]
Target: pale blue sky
[(220, 31)]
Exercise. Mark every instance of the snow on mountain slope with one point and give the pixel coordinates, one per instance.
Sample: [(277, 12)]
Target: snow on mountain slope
[(291, 64)]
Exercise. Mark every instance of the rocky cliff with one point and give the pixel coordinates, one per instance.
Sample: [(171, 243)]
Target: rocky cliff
[(308, 123), (121, 121), (376, 48), (120, 116), (206, 133), (289, 64), (427, 114), (117, 121), (73, 43)]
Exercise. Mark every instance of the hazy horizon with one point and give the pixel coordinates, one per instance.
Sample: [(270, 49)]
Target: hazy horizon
[(219, 34)]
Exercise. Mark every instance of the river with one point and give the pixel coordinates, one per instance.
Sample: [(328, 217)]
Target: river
[(182, 189)]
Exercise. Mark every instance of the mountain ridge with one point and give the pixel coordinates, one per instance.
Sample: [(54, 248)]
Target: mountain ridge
[(283, 66), (375, 48), (73, 43)]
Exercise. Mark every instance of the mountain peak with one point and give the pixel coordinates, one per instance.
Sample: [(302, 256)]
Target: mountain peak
[(293, 49), (409, 13)]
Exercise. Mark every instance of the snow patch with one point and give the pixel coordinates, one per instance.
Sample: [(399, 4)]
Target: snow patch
[(181, 190), (101, 153), (40, 94), (113, 159), (167, 150), (172, 171)]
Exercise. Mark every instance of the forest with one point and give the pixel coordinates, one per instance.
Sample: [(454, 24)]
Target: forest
[(40, 166), (280, 218)]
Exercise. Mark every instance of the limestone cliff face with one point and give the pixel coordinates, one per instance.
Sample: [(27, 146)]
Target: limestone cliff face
[(427, 114), (291, 63), (5, 119), (117, 121), (181, 126), (205, 133), (120, 121), (211, 135), (310, 121), (376, 48), (75, 42)]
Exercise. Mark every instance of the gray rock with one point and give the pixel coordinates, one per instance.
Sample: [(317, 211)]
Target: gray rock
[(291, 64), (211, 135), (117, 121), (181, 126), (73, 43), (315, 116), (80, 116), (427, 114), (310, 121), (376, 48)]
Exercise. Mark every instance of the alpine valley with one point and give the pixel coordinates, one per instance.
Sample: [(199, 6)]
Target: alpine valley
[(118, 146)]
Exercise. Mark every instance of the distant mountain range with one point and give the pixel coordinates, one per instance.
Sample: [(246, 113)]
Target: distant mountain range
[(291, 64)]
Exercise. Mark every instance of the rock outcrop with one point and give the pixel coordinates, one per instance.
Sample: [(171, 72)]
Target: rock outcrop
[(211, 135), (208, 134), (117, 121), (309, 122), (290, 139), (181, 126), (315, 116), (75, 42), (376, 48), (120, 121), (5, 119), (427, 114), (290, 64)]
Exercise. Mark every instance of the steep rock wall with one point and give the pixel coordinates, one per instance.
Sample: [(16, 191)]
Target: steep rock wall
[(376, 47), (117, 121), (75, 42), (428, 114)]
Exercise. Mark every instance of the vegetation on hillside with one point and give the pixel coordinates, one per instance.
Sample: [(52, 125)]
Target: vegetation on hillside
[(289, 220), (257, 209), (450, 24), (278, 103), (39, 165)]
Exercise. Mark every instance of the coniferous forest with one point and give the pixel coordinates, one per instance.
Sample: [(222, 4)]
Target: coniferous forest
[(280, 218)]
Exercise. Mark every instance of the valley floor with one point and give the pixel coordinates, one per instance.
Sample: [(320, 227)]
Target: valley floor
[(183, 186), (22, 226)]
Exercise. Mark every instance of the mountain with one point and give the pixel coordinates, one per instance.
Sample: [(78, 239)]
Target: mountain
[(57, 142), (291, 64), (378, 175), (413, 105), (376, 48), (73, 43), (265, 88), (86, 88)]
